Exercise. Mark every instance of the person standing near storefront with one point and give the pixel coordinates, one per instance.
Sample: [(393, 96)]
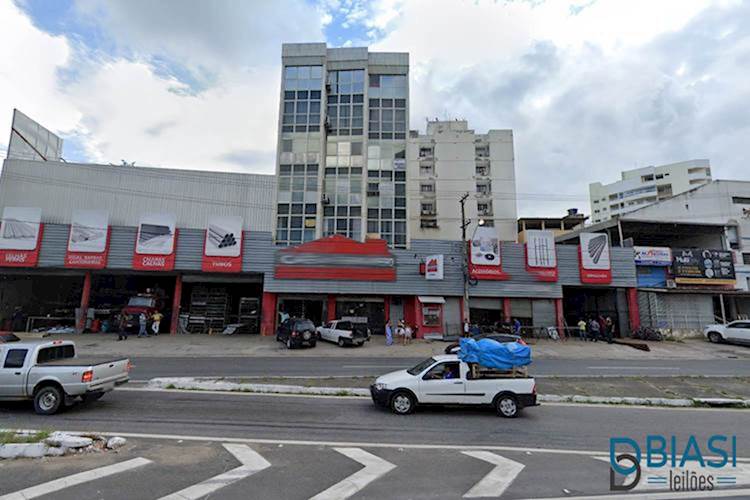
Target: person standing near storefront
[(122, 326), (516, 327), (594, 329), (156, 321), (142, 320), (388, 333), (582, 329), (609, 329)]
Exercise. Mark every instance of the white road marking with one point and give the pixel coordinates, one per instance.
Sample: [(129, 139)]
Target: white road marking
[(75, 479), (663, 368), (498, 479), (375, 467), (669, 495), (251, 461)]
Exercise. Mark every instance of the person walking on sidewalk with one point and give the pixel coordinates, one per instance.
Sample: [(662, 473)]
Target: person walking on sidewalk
[(156, 321), (595, 330), (388, 333), (609, 329), (582, 329), (122, 326), (142, 320)]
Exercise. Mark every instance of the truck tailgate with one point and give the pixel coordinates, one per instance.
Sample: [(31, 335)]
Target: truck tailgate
[(109, 372)]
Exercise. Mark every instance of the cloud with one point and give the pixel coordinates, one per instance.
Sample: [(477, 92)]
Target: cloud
[(589, 88)]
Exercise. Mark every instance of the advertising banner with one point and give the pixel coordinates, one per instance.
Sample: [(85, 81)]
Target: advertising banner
[(485, 262), (652, 256), (155, 243), (20, 236), (88, 240), (337, 258), (433, 269), (700, 266), (222, 251), (594, 258), (541, 256)]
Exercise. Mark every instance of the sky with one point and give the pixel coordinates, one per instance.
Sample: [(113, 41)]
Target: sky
[(589, 87)]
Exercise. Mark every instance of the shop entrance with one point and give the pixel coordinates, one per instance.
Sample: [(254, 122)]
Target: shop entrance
[(221, 304), (487, 314), (111, 293), (587, 303), (312, 308), (30, 301), (371, 309)]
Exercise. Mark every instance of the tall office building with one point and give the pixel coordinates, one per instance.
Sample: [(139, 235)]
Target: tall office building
[(642, 186), (451, 160), (341, 162)]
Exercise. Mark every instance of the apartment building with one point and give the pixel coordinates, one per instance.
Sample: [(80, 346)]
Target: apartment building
[(642, 186), (450, 160), (342, 132)]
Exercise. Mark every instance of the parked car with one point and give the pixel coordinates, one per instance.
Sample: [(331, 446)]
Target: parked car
[(344, 332), (736, 331), (6, 337), (51, 375), (446, 380), (295, 332), (503, 338)]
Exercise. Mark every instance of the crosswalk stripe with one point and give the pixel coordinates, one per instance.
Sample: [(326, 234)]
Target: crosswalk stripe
[(251, 461), (498, 479), (75, 479), (374, 468)]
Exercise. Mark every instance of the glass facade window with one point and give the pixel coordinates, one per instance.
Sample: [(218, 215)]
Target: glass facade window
[(387, 119), (302, 94), (297, 203), (345, 112)]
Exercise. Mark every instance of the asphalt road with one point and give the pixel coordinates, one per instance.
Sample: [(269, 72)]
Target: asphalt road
[(301, 438), (146, 368)]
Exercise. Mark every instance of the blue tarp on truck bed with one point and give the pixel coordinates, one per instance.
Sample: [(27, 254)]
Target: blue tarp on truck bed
[(493, 354)]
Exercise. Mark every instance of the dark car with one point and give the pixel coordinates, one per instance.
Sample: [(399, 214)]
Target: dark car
[(503, 338), (8, 337), (295, 332)]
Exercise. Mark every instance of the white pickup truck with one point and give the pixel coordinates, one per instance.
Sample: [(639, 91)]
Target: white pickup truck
[(736, 331), (446, 380), (344, 332), (50, 374)]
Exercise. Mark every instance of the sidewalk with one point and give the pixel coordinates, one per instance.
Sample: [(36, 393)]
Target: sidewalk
[(256, 346)]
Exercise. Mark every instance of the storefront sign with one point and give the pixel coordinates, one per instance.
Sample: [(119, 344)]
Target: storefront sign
[(653, 256), (541, 256), (700, 266), (155, 243), (594, 259), (485, 262), (88, 240), (337, 258), (434, 267), (20, 236), (222, 250)]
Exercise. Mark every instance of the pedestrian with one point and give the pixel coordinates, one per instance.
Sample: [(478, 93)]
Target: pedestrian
[(407, 334), (466, 328), (595, 329), (283, 316), (388, 333), (474, 330), (142, 321), (609, 329), (156, 321), (516, 327), (582, 329), (122, 326)]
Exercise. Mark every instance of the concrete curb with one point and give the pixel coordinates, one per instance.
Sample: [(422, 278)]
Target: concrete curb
[(56, 445), (205, 384)]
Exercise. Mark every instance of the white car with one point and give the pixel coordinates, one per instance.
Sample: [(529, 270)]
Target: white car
[(736, 331), (344, 332), (447, 380)]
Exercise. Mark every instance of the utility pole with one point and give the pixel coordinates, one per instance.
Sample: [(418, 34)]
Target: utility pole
[(465, 252)]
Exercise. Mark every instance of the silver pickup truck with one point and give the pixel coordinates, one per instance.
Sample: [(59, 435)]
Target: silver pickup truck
[(50, 374)]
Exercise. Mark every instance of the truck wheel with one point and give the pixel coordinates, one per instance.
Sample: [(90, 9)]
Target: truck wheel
[(714, 337), (48, 400), (341, 342), (506, 406), (403, 403)]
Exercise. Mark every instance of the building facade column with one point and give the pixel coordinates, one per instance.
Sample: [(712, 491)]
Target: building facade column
[(507, 313), (634, 314), (176, 303), (268, 314), (559, 318), (331, 308), (85, 298)]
